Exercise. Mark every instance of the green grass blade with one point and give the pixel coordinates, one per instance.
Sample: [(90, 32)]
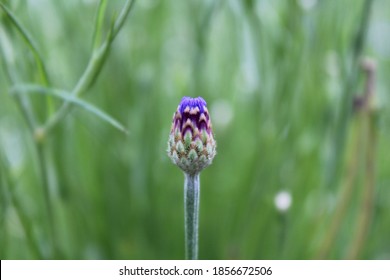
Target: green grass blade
[(42, 72), (30, 43), (349, 90), (99, 23), (68, 97), (3, 211), (95, 64), (23, 217), (122, 17)]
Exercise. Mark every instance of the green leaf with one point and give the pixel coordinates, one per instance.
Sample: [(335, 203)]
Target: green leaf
[(68, 97)]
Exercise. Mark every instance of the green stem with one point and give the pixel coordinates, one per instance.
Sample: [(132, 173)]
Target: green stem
[(24, 219), (3, 212), (42, 72), (94, 67), (48, 203), (367, 204), (348, 91), (191, 214), (86, 80), (368, 195), (282, 234), (347, 187), (26, 223)]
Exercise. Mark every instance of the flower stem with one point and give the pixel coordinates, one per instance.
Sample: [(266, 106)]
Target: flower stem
[(191, 214)]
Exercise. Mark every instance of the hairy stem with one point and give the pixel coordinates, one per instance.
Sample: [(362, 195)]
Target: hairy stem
[(191, 214)]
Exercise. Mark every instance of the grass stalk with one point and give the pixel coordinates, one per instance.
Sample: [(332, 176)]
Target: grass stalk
[(25, 221), (366, 208), (4, 204), (367, 204), (27, 226), (349, 89), (47, 199), (365, 130), (95, 64), (28, 39), (347, 188)]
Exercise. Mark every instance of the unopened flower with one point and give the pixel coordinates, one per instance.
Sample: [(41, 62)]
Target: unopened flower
[(191, 144)]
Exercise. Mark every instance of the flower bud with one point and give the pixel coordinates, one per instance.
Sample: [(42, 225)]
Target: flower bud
[(191, 144)]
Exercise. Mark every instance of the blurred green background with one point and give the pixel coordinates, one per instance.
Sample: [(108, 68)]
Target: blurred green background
[(279, 78)]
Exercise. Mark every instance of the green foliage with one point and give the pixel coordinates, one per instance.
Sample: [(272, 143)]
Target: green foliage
[(68, 97), (279, 78)]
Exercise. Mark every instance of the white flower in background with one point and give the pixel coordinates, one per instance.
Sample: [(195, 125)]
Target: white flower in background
[(283, 201)]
